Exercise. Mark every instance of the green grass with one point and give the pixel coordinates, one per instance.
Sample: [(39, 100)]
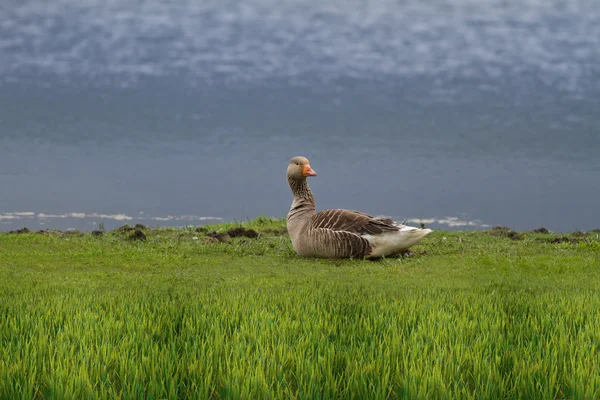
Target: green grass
[(470, 315)]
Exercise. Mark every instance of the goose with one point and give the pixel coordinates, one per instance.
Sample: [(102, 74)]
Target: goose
[(340, 233)]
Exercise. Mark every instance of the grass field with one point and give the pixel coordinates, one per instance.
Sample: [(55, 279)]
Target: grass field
[(187, 314)]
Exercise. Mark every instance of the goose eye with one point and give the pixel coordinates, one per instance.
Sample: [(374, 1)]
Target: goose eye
[(297, 164)]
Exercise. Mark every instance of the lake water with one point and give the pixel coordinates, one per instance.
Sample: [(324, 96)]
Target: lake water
[(461, 114)]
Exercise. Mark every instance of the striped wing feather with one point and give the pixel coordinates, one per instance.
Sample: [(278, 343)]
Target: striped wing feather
[(351, 221), (330, 243)]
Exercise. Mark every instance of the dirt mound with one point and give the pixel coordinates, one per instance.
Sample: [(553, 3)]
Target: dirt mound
[(137, 235), (242, 232), (541, 230), (20, 231), (505, 231), (218, 237)]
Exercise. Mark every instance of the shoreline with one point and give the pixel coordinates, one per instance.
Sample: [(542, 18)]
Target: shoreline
[(226, 226), (89, 222)]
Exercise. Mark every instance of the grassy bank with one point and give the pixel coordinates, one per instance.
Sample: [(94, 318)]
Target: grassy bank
[(180, 313)]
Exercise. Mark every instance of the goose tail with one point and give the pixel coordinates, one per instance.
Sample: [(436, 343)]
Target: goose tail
[(409, 235), (396, 242)]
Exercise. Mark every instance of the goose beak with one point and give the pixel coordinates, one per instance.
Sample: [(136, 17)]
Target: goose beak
[(308, 171)]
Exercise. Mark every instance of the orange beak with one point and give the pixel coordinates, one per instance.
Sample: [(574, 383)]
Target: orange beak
[(308, 171)]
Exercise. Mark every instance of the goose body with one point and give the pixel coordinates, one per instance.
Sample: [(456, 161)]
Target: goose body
[(340, 233)]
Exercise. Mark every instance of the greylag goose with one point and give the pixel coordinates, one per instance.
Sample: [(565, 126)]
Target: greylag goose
[(340, 233)]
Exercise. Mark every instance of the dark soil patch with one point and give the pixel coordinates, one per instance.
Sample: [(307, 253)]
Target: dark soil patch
[(97, 233), (504, 231), (242, 232), (20, 231), (137, 235), (564, 239), (218, 237), (541, 230), (515, 235)]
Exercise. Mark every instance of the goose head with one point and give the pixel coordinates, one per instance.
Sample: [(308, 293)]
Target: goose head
[(299, 169)]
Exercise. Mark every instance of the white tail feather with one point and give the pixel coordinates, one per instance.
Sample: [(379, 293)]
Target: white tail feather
[(390, 243)]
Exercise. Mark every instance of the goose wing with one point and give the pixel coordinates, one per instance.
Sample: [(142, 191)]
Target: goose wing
[(329, 243), (338, 220)]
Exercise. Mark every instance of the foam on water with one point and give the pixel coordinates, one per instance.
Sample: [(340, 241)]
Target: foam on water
[(89, 221)]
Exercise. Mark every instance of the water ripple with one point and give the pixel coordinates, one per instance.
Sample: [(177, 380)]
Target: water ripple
[(260, 40)]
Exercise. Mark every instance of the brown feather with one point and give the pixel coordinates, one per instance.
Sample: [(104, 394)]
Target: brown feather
[(351, 221), (329, 243)]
